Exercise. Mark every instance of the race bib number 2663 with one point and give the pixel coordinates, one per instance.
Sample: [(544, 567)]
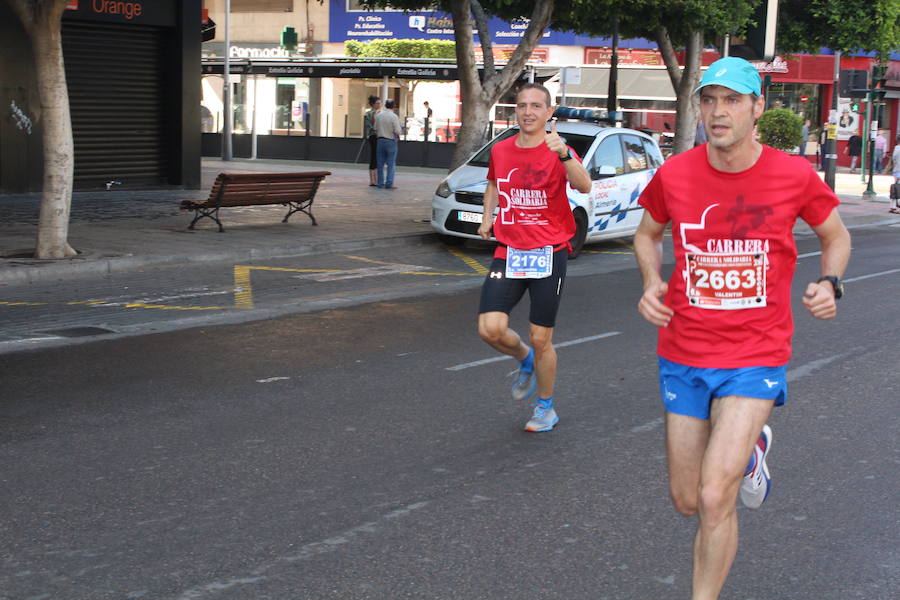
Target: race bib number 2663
[(726, 281)]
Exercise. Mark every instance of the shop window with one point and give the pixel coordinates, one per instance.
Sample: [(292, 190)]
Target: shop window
[(262, 6)]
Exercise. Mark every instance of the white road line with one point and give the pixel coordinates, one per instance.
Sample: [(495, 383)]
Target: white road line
[(870, 275), (808, 254), (811, 367), (485, 361), (271, 379)]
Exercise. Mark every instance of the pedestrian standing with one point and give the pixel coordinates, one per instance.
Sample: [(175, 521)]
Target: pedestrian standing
[(428, 116), (804, 135), (527, 176), (895, 167), (880, 150), (372, 136), (854, 149), (724, 316), (387, 128)]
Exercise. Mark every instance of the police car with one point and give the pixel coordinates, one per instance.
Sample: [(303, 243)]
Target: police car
[(620, 161)]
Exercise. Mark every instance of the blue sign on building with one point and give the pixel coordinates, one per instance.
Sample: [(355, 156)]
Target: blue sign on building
[(350, 22)]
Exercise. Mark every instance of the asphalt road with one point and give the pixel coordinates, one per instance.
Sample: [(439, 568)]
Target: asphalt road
[(356, 452)]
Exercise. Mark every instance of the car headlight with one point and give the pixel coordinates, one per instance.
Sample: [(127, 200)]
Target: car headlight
[(443, 190)]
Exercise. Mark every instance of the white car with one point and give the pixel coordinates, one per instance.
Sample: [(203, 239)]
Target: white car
[(620, 162)]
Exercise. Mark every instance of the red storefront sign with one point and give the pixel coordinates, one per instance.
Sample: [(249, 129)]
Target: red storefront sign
[(627, 56)]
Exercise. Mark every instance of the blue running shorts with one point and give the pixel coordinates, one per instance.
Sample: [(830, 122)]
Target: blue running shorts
[(690, 390)]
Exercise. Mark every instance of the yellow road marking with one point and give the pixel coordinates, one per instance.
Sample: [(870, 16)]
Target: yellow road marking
[(474, 264), (170, 307), (24, 303)]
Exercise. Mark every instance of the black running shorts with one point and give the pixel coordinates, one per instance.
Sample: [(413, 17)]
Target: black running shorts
[(499, 294)]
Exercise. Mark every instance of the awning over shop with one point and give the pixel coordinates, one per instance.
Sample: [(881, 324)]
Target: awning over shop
[(445, 71), (638, 84)]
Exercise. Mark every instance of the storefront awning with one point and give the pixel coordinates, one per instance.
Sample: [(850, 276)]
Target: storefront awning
[(637, 84), (444, 71)]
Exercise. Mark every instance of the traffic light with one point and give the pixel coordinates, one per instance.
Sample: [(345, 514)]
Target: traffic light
[(879, 79), (853, 83), (759, 41), (289, 39), (854, 107)]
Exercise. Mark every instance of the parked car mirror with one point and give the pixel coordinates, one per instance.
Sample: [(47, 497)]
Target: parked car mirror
[(603, 171)]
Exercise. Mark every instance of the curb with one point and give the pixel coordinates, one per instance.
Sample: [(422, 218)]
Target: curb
[(66, 268)]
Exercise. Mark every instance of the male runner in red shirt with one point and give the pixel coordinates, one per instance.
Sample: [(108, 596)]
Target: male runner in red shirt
[(527, 177), (725, 320)]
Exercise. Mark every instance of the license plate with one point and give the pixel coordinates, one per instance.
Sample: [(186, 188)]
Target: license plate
[(469, 217)]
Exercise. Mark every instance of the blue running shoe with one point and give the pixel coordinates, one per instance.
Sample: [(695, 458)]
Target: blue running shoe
[(524, 384), (757, 483), (543, 419)]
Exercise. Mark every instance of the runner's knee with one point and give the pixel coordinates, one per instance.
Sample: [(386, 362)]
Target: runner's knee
[(541, 340), (716, 502), (684, 502), (491, 330)]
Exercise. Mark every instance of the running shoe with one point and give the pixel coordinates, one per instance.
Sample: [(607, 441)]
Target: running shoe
[(543, 419), (757, 483), (524, 384)]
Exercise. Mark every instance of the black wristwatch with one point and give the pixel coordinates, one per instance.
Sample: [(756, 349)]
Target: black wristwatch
[(835, 283), (568, 156)]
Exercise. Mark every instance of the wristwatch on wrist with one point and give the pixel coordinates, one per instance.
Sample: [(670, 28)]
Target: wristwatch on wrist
[(568, 156), (835, 283)]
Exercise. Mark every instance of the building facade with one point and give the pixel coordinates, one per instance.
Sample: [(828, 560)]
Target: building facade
[(131, 72)]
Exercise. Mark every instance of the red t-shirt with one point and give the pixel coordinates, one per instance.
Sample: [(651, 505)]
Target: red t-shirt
[(734, 255), (531, 189)]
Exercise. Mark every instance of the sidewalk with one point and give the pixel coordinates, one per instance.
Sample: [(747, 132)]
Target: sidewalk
[(121, 230)]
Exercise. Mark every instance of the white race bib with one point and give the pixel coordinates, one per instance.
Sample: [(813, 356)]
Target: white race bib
[(726, 281), (529, 264)]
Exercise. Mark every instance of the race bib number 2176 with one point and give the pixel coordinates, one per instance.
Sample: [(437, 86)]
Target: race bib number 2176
[(726, 281)]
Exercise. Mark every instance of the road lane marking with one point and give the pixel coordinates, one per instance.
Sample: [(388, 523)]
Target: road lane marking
[(870, 275), (809, 254), (811, 367), (471, 262), (486, 361), (24, 303)]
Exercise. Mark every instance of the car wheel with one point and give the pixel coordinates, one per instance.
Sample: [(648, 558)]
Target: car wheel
[(577, 241), (451, 240)]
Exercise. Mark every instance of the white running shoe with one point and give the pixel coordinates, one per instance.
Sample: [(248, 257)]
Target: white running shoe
[(543, 419), (757, 483)]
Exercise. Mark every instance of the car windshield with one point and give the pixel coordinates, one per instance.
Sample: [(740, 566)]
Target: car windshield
[(579, 143)]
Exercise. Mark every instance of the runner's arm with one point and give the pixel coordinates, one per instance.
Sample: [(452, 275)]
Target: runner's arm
[(578, 176), (487, 218), (648, 250), (835, 240)]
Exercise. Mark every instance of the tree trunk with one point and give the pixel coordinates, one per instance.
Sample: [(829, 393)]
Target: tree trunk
[(43, 22), (683, 81), (53, 226), (477, 95)]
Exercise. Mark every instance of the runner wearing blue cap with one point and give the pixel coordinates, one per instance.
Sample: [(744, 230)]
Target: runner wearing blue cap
[(724, 316)]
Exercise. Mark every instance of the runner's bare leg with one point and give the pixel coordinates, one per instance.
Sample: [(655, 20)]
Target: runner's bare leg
[(735, 424), (493, 327), (544, 359)]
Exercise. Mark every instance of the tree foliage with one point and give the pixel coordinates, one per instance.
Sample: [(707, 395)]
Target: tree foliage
[(480, 93), (780, 128), (868, 26), (401, 48)]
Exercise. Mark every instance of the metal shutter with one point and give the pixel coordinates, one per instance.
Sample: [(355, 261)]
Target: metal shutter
[(117, 95)]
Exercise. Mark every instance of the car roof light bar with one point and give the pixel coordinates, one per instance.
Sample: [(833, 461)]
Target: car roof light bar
[(587, 114)]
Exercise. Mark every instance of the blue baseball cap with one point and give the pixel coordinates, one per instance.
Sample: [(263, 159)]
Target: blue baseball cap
[(734, 73)]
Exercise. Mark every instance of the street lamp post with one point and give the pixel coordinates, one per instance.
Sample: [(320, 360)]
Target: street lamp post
[(226, 88), (831, 139)]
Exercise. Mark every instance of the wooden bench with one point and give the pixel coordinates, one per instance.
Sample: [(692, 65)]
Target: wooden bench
[(294, 190)]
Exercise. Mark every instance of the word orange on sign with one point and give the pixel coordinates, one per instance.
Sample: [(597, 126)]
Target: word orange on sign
[(129, 10)]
